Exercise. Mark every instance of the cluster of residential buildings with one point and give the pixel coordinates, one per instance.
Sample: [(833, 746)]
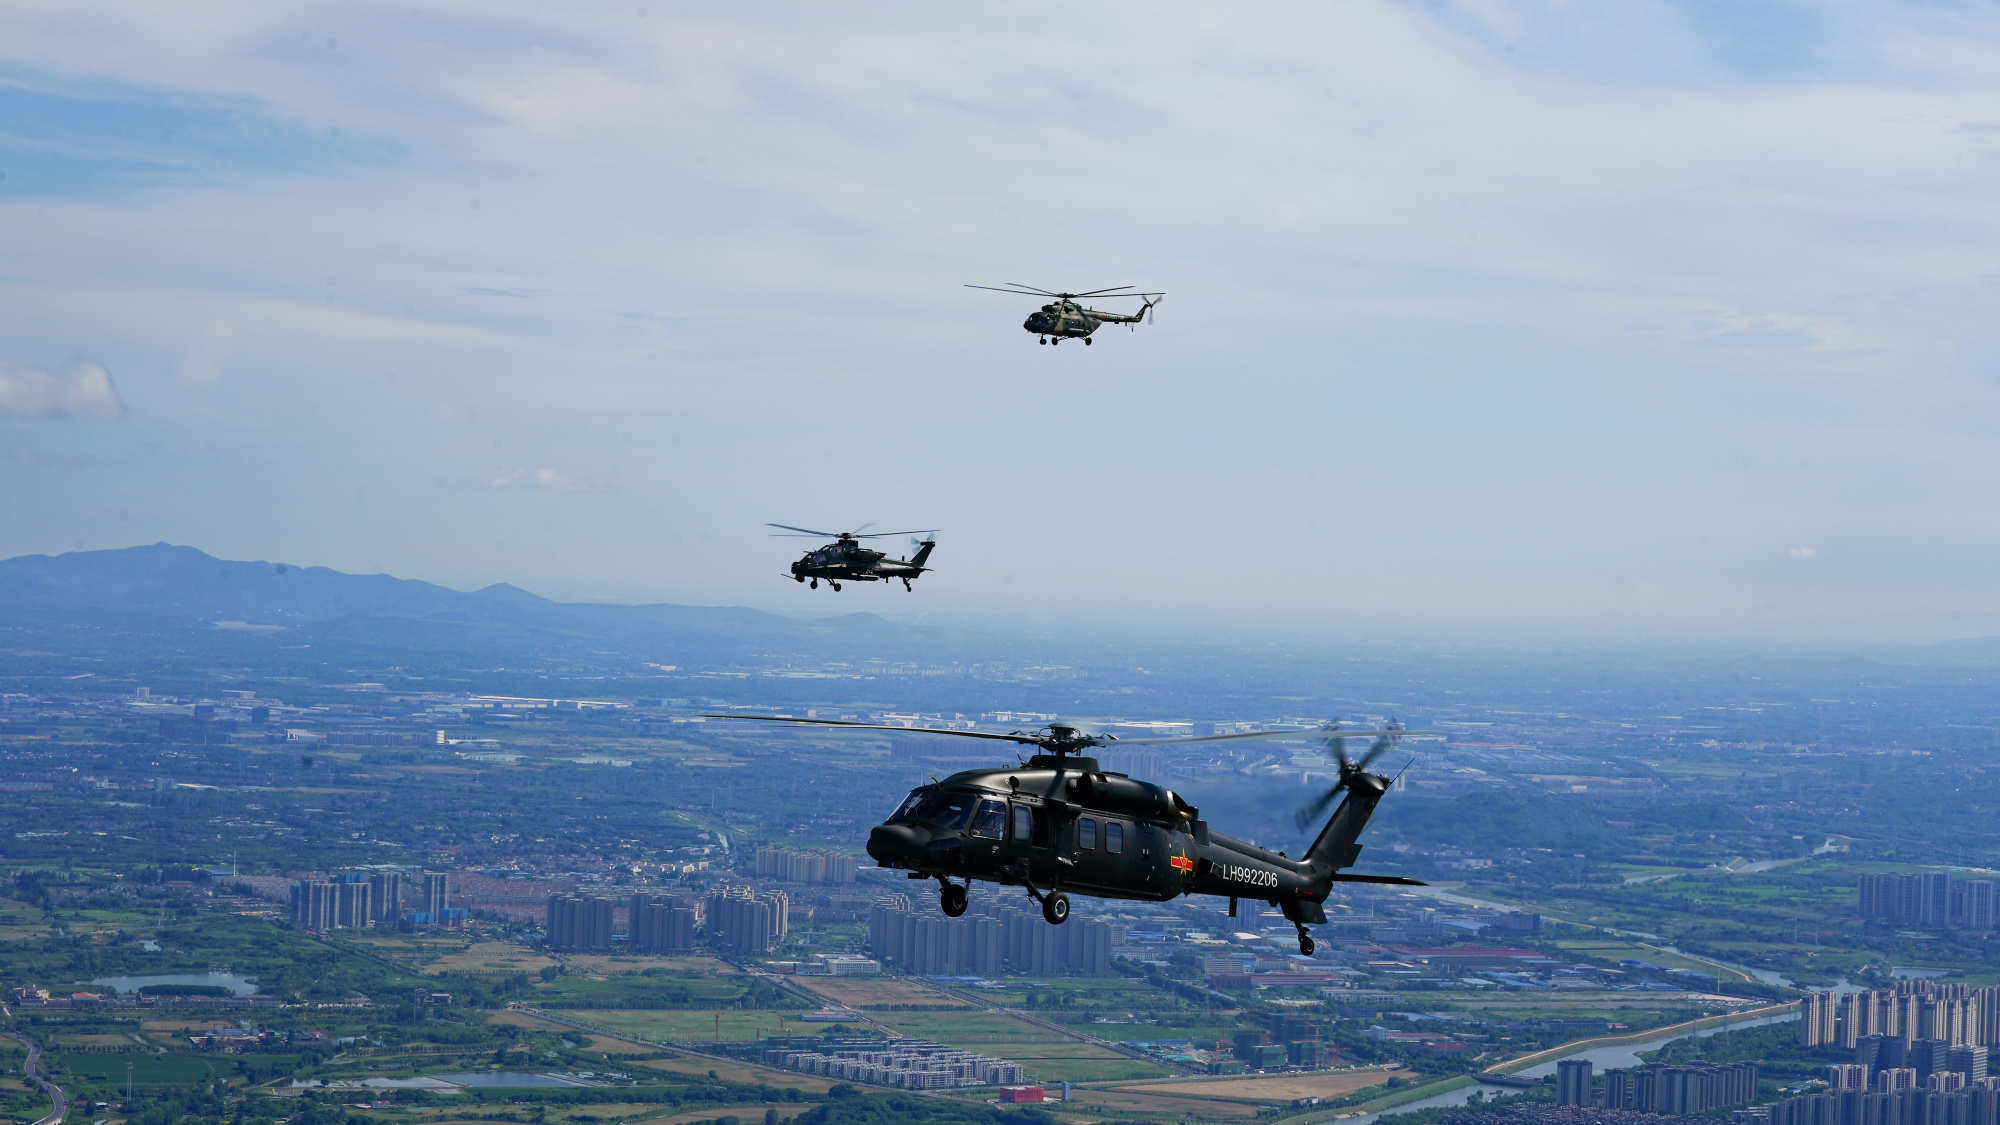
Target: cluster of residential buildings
[(1914, 1010), (793, 866), (744, 919), (1975, 1104), (1658, 1088), (915, 1064), (355, 899), (1930, 898), (992, 935)]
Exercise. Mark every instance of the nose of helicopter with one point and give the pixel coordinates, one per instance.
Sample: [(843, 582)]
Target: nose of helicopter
[(896, 844)]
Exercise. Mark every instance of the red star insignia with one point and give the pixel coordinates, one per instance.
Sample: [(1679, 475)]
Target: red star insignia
[(1181, 863)]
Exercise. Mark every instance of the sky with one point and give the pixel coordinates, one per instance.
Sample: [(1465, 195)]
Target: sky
[(1667, 321)]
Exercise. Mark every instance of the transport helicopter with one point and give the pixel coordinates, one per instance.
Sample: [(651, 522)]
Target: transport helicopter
[(1057, 824), (1063, 318), (846, 559)]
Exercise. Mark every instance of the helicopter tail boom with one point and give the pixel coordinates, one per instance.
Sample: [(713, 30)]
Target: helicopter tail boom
[(923, 553), (1336, 845)]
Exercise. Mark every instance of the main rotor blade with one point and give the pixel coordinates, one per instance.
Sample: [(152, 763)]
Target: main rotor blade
[(1178, 741), (806, 530), (1101, 292), (1022, 292), (1374, 751), (1023, 739), (889, 534)]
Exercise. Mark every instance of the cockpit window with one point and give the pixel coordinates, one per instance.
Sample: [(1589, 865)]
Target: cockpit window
[(947, 810), (991, 821), (909, 806)]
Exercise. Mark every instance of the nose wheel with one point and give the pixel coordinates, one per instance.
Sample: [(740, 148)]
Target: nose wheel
[(951, 898), (1086, 341)]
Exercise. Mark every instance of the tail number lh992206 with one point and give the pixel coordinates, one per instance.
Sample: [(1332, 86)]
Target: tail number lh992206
[(1250, 875)]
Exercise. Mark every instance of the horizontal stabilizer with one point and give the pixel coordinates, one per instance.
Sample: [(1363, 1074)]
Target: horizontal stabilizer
[(1392, 880)]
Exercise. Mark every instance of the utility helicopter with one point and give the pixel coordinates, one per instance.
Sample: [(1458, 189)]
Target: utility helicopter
[(1057, 824), (1063, 318), (847, 560)]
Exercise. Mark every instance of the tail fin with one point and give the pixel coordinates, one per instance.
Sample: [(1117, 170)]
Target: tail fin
[(923, 552), (1336, 846)]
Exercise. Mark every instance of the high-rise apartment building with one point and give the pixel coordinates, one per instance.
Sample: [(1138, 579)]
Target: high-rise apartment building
[(437, 894), (1573, 1082), (352, 905), (579, 924), (660, 923), (746, 920), (385, 898)]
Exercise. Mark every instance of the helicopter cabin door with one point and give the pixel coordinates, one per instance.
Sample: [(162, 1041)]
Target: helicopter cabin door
[(1102, 849), (1028, 841)]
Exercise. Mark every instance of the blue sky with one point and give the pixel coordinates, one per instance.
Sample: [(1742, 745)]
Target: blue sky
[(1486, 319)]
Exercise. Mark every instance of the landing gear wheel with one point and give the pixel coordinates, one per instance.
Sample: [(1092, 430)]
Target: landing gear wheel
[(1055, 908), (1086, 341), (835, 585), (1042, 340), (815, 584), (1306, 946), (907, 587), (951, 900)]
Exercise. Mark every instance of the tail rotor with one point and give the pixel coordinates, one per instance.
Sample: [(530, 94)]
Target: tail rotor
[(1349, 770)]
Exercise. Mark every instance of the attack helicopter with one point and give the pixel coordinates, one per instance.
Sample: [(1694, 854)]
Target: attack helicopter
[(1063, 318), (847, 560), (1058, 824)]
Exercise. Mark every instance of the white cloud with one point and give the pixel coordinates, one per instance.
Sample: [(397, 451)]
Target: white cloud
[(1802, 553), (83, 394), (548, 480)]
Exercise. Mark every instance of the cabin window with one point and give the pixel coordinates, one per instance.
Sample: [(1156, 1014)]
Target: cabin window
[(991, 821), (1114, 837), (1024, 823), (1086, 833)]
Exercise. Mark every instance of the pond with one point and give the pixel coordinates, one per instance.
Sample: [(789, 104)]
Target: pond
[(237, 985), (505, 1078)]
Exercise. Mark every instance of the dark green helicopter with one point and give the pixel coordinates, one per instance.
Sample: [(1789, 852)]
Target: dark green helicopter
[(1057, 824), (846, 560), (1064, 318)]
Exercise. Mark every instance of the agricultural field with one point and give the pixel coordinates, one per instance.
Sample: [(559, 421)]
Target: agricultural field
[(862, 992), (735, 1026), (1276, 1089)]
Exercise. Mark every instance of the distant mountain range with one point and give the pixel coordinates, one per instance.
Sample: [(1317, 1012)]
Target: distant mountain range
[(183, 592)]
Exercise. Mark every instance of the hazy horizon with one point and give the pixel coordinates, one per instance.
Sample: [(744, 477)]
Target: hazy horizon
[(1668, 325)]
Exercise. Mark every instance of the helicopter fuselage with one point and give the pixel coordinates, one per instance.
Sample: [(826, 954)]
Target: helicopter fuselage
[(1072, 827), (849, 561), (1069, 320)]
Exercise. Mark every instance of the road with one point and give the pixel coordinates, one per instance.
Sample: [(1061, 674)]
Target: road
[(54, 1091)]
